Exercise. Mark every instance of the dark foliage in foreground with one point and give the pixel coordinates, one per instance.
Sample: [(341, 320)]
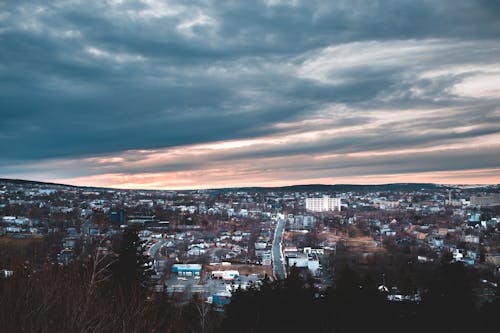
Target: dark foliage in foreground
[(106, 294), (355, 305), (109, 294), (62, 300)]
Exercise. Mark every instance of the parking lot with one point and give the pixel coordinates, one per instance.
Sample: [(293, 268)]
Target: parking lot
[(207, 286)]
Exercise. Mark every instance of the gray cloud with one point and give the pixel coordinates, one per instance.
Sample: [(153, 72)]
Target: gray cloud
[(97, 78)]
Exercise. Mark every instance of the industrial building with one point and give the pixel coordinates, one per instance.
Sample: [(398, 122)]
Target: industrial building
[(186, 269)]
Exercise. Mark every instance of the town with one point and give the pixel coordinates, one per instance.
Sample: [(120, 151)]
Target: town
[(210, 243)]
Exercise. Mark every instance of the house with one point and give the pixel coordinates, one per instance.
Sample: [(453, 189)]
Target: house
[(11, 229), (302, 260), (220, 300), (457, 255), (472, 239), (442, 231), (237, 237), (65, 256), (492, 258), (5, 273), (260, 245), (437, 242), (69, 243), (196, 250)]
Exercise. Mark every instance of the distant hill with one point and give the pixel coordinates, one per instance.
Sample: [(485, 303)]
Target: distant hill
[(291, 188), (46, 184), (339, 188), (30, 182)]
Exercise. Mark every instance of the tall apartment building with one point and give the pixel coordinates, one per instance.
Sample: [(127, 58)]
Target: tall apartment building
[(323, 204)]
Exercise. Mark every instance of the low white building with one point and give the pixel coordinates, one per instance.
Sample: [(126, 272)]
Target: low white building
[(228, 275), (308, 259)]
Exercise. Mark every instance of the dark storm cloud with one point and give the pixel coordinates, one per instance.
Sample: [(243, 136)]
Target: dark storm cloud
[(99, 78)]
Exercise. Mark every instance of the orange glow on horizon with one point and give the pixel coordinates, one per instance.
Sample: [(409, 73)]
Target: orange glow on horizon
[(199, 180)]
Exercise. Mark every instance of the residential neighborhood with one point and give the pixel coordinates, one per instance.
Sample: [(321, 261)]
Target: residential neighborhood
[(213, 242)]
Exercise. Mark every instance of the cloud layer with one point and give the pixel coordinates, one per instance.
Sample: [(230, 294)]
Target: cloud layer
[(184, 94)]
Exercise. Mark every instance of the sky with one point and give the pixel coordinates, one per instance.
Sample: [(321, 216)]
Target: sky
[(185, 94)]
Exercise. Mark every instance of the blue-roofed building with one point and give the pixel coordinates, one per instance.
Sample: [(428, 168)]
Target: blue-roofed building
[(475, 218), (186, 269), (117, 217), (220, 300)]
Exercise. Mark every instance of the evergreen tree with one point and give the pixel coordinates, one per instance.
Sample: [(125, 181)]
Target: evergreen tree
[(132, 270)]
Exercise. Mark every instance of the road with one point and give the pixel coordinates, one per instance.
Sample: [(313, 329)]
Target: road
[(154, 248), (153, 251), (277, 254)]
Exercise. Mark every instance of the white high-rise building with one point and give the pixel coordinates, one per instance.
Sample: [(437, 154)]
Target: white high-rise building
[(323, 204)]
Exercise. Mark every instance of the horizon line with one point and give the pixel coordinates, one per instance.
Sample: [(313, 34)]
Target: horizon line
[(245, 187)]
